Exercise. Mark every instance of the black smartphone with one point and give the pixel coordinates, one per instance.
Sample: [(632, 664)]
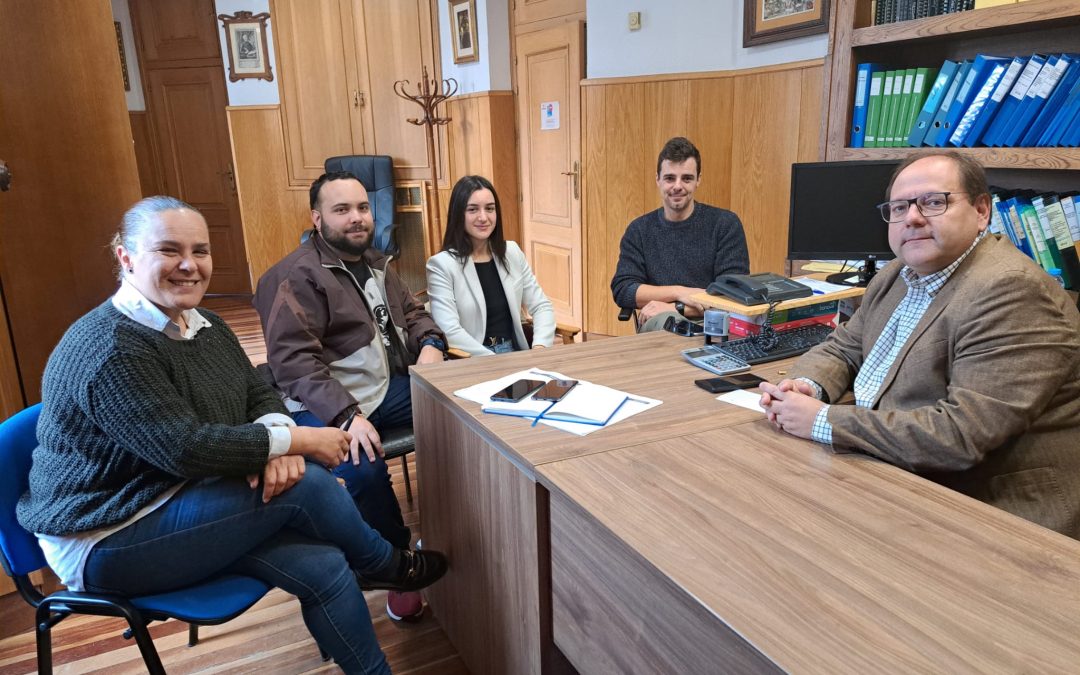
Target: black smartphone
[(719, 385), (554, 390), (517, 391)]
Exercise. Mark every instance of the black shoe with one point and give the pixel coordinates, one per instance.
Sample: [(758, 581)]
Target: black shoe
[(409, 571)]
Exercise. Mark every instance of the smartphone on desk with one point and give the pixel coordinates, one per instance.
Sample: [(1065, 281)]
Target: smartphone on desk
[(517, 391), (719, 385), (555, 390)]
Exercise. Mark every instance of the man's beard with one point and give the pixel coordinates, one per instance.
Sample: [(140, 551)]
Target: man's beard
[(342, 243)]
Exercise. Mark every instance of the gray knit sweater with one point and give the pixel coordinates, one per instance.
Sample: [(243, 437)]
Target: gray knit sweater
[(693, 252), (129, 412)]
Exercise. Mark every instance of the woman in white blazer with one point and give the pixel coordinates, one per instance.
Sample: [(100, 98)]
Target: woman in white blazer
[(479, 282)]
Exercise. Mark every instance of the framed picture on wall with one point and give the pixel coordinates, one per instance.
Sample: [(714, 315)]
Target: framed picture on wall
[(463, 30), (767, 21), (245, 35)]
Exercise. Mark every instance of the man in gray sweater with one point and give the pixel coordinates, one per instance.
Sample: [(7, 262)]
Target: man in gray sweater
[(669, 254)]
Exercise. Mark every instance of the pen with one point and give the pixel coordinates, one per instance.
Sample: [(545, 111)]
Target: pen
[(817, 292)]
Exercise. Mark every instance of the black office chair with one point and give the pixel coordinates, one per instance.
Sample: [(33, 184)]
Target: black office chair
[(376, 173)]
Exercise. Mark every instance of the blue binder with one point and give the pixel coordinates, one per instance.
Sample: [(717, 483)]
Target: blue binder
[(1035, 98), (981, 69), (992, 103), (1065, 114), (933, 102), (978, 102), (862, 99), (1000, 123), (1052, 106), (936, 126)]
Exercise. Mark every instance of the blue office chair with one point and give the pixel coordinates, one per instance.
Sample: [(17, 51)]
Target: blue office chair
[(376, 173), (209, 603)]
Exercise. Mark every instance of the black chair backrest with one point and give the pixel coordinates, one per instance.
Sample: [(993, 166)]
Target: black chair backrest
[(376, 173)]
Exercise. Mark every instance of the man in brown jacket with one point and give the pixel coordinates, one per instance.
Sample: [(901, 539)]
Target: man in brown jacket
[(964, 358), (341, 331)]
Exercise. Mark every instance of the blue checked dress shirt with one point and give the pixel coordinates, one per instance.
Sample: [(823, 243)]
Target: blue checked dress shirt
[(920, 293)]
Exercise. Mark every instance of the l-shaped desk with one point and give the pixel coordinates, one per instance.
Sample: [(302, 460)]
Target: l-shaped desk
[(696, 538)]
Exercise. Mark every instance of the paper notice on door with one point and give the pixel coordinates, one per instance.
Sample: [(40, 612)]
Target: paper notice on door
[(549, 115)]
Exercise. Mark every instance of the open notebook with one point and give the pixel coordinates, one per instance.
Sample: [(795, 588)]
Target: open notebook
[(587, 408)]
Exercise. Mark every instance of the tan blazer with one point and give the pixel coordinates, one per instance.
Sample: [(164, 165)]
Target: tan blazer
[(985, 395), (457, 300)]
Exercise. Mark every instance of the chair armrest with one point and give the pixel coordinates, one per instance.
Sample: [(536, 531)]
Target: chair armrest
[(625, 313)]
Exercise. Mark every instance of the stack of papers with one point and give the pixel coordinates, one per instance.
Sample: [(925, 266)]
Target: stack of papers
[(587, 408)]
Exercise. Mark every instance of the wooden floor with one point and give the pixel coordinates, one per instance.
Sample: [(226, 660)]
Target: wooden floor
[(269, 638)]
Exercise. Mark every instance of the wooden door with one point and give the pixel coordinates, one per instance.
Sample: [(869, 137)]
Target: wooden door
[(64, 134), (187, 109), (549, 73), (527, 11), (180, 56), (325, 105)]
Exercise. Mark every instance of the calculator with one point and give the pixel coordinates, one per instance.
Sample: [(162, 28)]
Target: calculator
[(715, 360)]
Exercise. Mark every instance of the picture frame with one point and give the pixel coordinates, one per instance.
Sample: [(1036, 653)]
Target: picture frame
[(463, 30), (245, 37), (766, 21)]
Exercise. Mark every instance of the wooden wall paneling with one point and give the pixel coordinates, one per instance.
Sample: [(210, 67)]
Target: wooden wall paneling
[(66, 136), (273, 214), (149, 177), (711, 129), (749, 125), (598, 244), (503, 155), (765, 151)]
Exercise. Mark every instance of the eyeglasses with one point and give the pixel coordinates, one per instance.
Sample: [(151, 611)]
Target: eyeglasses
[(929, 204)]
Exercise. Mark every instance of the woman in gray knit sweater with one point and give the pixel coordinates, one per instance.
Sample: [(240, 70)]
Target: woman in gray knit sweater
[(165, 459)]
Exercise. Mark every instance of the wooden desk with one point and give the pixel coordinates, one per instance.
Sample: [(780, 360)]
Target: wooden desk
[(726, 304), (752, 551), (478, 495)]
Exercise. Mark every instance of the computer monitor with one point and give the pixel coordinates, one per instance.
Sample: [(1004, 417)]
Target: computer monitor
[(833, 215)]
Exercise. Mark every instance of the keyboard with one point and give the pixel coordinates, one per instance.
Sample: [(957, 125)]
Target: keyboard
[(789, 343), (714, 360)]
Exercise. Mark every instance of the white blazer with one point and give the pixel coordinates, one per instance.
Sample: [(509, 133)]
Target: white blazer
[(457, 300)]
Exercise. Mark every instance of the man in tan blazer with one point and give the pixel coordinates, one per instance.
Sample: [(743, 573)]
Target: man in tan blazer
[(964, 357)]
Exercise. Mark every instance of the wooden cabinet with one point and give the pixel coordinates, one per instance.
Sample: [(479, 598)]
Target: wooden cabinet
[(1006, 30), (338, 61)]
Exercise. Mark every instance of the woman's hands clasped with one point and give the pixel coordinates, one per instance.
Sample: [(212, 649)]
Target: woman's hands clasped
[(328, 446)]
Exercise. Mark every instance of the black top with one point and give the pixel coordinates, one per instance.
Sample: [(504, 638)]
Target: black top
[(500, 324)]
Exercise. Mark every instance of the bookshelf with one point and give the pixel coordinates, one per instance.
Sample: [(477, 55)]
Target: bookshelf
[(1006, 30)]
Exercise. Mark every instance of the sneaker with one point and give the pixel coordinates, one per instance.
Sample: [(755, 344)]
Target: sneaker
[(404, 606), (409, 571)]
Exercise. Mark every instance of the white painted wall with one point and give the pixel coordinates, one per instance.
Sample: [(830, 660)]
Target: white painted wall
[(248, 91), (680, 36), (134, 97), (492, 70)]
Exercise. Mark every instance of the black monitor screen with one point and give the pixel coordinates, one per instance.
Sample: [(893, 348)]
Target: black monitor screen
[(832, 211)]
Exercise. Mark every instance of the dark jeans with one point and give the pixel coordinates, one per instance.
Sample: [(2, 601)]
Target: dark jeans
[(369, 482), (307, 541)]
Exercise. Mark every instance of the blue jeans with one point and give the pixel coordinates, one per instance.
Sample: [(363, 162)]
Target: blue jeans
[(369, 482), (307, 541)]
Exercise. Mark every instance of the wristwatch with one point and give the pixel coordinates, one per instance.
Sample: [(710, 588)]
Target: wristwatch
[(680, 307), (435, 342)]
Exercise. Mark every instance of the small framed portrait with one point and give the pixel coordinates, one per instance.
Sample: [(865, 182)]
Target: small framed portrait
[(767, 21), (245, 35), (463, 30)]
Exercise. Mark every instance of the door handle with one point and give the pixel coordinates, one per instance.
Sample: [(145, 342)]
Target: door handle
[(5, 177), (576, 173), (228, 173)]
